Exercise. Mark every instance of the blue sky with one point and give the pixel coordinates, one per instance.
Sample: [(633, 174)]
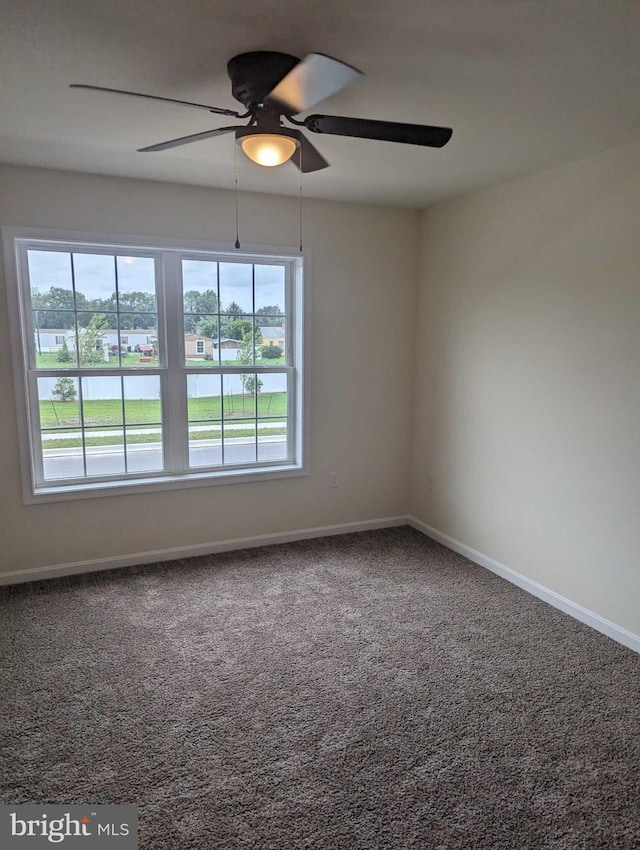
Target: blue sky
[(95, 277)]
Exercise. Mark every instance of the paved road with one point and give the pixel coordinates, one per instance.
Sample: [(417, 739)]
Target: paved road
[(147, 457), (228, 426)]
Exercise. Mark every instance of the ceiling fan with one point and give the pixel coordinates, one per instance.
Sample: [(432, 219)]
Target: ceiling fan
[(274, 87)]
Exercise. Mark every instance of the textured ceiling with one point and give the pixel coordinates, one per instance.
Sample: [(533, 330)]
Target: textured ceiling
[(525, 86)]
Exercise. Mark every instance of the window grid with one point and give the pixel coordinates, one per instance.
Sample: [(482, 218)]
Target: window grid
[(248, 374)]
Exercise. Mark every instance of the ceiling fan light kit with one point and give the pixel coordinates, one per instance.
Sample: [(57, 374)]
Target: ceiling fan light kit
[(274, 87), (269, 149)]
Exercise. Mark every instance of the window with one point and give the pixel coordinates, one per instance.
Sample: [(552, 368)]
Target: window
[(159, 378)]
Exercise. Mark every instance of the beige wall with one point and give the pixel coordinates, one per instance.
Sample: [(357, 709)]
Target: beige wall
[(525, 379), (357, 429), (527, 390)]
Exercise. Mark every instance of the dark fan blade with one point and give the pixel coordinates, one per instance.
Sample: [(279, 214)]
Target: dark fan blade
[(312, 80), (155, 97), (385, 131), (308, 158), (186, 140)]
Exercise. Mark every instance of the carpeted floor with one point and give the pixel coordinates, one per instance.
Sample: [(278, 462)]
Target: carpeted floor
[(367, 691)]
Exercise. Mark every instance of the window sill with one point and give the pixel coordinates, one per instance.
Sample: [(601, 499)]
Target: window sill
[(133, 486)]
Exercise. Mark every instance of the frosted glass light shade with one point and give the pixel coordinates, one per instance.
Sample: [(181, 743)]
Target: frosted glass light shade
[(268, 148)]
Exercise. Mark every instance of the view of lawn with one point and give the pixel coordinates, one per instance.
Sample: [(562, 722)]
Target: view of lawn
[(55, 414), (49, 360), (204, 364)]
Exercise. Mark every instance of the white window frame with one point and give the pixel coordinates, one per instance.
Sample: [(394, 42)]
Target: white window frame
[(172, 371)]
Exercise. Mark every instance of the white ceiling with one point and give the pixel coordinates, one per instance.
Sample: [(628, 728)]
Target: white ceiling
[(525, 84)]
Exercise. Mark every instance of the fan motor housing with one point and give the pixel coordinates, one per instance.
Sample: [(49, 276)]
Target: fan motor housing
[(254, 75)]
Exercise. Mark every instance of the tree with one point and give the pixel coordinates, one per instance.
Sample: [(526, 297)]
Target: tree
[(235, 328), (270, 316), (64, 390), (234, 309), (137, 310), (200, 302), (208, 326), (64, 355), (248, 343), (91, 352), (250, 382), (57, 305), (271, 352), (197, 306)]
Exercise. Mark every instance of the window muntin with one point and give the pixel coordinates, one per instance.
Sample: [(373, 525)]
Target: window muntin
[(95, 416)]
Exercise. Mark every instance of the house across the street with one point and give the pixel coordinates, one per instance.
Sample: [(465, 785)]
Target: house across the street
[(273, 336), (197, 347), (52, 339)]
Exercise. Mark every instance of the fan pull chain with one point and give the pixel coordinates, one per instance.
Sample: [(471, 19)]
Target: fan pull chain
[(237, 244), (301, 199)]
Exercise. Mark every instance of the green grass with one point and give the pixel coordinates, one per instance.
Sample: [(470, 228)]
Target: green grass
[(204, 364), (209, 434), (49, 360), (108, 412)]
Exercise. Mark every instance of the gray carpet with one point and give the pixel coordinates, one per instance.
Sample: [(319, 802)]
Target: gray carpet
[(367, 691)]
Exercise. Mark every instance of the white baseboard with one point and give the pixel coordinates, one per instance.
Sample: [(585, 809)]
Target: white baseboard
[(155, 556), (600, 624)]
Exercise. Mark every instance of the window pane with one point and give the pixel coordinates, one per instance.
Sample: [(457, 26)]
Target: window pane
[(55, 347), (200, 291), (204, 411), (144, 449), (102, 410), (240, 442), (205, 448), (229, 349), (54, 322), (245, 346), (51, 281), (58, 403), (59, 423), (236, 288), (270, 299), (203, 397), (201, 347), (62, 455), (139, 326), (95, 280), (273, 341), (97, 333), (102, 401), (141, 335), (142, 400), (272, 395), (239, 413), (136, 284), (272, 439), (238, 400), (105, 451)]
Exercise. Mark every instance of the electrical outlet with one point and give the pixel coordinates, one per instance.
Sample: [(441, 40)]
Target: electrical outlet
[(333, 479)]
